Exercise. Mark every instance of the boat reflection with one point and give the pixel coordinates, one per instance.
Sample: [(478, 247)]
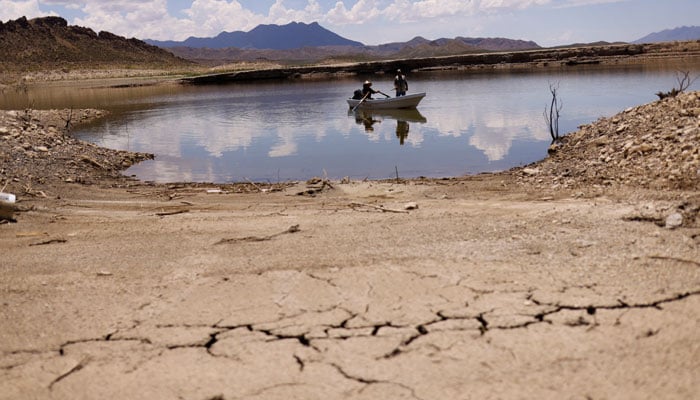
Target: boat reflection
[(403, 118)]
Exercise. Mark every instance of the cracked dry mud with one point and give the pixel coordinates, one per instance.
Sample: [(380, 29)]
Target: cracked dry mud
[(479, 293), (484, 287)]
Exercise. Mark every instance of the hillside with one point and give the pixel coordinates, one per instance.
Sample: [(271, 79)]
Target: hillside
[(44, 43), (421, 47)]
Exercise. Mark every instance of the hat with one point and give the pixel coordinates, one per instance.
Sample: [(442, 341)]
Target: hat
[(398, 70), (368, 83)]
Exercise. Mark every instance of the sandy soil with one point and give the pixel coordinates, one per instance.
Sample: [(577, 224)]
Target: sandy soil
[(495, 286)]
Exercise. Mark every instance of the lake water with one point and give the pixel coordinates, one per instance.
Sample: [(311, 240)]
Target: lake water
[(469, 122)]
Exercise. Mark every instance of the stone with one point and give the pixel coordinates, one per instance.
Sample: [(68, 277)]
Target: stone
[(674, 221), (411, 206)]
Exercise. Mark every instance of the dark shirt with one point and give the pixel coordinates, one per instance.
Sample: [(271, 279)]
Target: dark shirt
[(400, 83), (367, 89)]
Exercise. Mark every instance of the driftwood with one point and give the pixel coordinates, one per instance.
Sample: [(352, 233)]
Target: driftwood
[(291, 229), (382, 209), (166, 213), (50, 241)]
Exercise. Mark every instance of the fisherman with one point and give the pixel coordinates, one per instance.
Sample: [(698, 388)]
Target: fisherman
[(400, 83), (367, 90)]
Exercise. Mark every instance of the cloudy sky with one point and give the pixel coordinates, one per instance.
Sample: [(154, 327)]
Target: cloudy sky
[(547, 22)]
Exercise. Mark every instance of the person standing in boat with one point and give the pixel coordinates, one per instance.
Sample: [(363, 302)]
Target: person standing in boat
[(400, 83)]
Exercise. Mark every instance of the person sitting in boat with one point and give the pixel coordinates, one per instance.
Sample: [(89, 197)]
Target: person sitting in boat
[(400, 83), (367, 90)]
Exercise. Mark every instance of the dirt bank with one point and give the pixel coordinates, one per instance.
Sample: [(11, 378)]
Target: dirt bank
[(577, 277), (551, 58)]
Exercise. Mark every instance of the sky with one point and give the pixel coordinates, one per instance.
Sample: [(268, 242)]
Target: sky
[(547, 22)]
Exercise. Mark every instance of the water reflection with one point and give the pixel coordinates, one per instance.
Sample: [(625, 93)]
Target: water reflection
[(403, 118), (468, 123), (494, 132)]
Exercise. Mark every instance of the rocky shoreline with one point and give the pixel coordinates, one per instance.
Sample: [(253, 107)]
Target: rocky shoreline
[(37, 152), (653, 146)]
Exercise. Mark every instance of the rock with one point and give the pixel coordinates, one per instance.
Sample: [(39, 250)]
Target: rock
[(601, 141), (674, 221)]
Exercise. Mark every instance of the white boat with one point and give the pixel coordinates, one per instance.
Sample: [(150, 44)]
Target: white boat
[(388, 103)]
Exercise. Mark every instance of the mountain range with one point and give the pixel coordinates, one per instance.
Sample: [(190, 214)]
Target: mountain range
[(297, 35), (670, 35), (302, 42)]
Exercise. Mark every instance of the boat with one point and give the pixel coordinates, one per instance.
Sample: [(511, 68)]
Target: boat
[(389, 103)]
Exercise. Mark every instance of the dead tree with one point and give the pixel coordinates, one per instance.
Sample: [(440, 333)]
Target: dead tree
[(684, 81), (551, 113), (69, 121)]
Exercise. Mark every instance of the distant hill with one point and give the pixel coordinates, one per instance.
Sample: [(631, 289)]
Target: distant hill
[(671, 35), (499, 44), (49, 41), (421, 47), (275, 37), (433, 48)]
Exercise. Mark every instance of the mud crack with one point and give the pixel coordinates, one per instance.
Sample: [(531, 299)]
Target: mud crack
[(592, 309), (346, 375), (80, 365)]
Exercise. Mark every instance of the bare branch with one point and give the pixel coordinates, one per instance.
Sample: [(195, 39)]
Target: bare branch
[(551, 113), (684, 82)]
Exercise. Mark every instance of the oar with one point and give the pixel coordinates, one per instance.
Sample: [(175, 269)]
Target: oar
[(383, 94), (361, 101)]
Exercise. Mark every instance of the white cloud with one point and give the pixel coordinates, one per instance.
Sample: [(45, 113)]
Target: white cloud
[(11, 10), (220, 15), (124, 17), (582, 3), (405, 10), (279, 14), (362, 12)]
